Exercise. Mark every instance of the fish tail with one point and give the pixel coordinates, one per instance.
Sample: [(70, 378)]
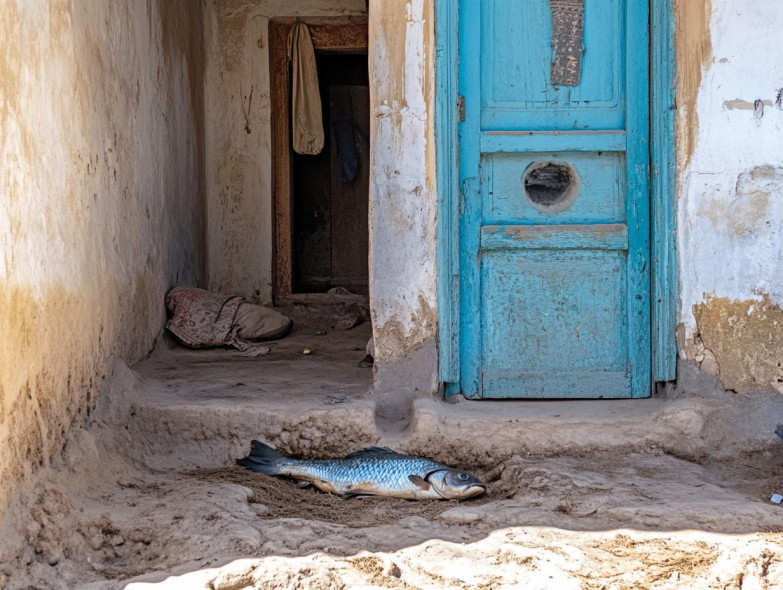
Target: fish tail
[(262, 458)]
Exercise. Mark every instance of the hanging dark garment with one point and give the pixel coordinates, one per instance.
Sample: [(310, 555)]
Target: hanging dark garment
[(344, 138)]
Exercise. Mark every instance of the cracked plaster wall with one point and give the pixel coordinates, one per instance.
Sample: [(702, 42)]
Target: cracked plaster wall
[(403, 198), (239, 154), (101, 140), (730, 142), (108, 113)]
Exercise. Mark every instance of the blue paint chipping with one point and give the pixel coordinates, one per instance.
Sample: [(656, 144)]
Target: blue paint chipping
[(447, 178), (663, 210), (543, 295)]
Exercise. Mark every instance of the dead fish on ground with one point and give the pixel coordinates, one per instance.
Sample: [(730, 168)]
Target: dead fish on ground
[(376, 471)]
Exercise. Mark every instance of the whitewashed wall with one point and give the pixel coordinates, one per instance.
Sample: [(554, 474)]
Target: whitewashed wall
[(403, 193), (239, 153), (731, 203)]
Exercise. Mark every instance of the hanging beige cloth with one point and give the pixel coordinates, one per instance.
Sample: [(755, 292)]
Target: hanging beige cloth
[(307, 122)]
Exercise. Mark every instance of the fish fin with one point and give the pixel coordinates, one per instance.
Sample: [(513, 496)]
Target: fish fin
[(420, 481), (262, 458), (304, 484), (372, 452), (352, 495)]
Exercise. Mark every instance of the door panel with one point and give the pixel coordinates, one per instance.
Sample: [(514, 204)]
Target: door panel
[(554, 216), (350, 115), (601, 192), (516, 55), (569, 328)]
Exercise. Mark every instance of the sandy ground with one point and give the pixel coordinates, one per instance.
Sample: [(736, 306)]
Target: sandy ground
[(596, 521), (105, 516)]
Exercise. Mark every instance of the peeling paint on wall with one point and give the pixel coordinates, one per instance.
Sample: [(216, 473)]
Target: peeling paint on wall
[(396, 333), (741, 342), (402, 201), (750, 211), (730, 211), (693, 54), (745, 105)]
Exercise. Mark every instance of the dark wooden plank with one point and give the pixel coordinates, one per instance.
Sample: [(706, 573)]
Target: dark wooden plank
[(281, 157), (350, 198)]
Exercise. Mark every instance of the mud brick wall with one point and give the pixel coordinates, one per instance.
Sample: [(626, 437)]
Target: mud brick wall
[(101, 177)]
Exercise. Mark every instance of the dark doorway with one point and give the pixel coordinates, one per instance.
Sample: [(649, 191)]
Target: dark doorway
[(330, 190)]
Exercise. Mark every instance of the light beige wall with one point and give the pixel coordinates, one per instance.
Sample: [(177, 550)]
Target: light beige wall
[(239, 171), (102, 202)]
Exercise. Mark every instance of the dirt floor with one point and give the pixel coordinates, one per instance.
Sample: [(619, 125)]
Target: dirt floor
[(121, 509)]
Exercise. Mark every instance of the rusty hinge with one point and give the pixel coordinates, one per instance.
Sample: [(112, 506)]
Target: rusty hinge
[(460, 109)]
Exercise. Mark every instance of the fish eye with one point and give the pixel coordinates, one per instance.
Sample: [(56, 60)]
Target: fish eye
[(463, 476)]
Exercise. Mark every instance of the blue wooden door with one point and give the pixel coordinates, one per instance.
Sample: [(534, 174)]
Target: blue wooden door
[(554, 209)]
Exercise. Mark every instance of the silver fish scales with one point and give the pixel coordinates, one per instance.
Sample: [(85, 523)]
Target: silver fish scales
[(376, 471)]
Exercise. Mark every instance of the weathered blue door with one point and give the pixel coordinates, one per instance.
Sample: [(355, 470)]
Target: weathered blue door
[(554, 210)]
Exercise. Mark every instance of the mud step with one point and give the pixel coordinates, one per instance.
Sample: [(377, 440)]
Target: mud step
[(185, 408), (172, 433)]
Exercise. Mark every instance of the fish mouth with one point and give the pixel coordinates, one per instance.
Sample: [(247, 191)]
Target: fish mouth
[(462, 493), (474, 490)]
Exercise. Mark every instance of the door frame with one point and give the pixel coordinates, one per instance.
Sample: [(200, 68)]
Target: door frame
[(339, 34), (663, 253)]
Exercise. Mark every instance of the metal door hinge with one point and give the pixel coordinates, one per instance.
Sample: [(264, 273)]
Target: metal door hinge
[(460, 109)]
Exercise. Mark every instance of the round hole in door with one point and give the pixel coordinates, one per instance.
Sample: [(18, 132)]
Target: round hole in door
[(551, 187)]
